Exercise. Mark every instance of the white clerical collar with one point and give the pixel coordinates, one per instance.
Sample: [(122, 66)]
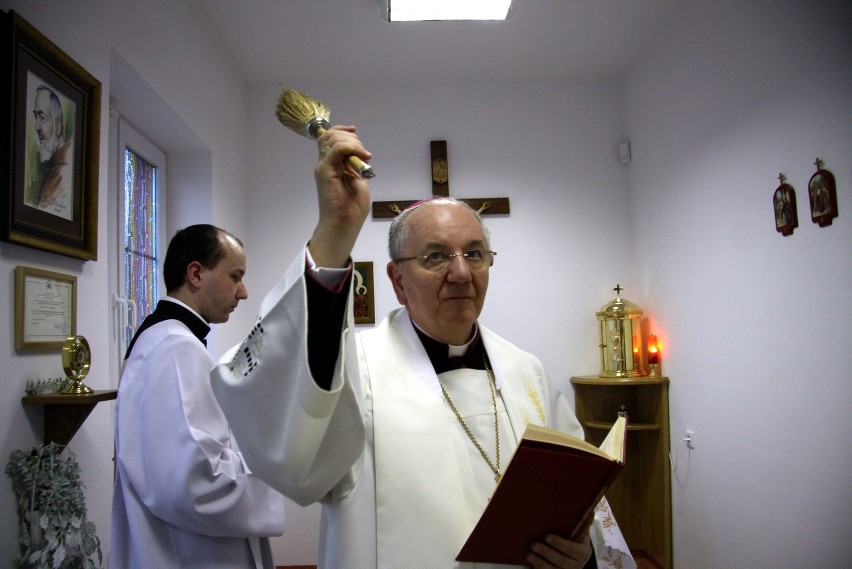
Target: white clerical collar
[(452, 349)]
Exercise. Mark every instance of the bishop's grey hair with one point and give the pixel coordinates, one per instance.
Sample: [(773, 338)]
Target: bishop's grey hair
[(398, 231)]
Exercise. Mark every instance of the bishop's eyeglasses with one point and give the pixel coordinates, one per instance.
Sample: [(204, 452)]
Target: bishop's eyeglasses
[(437, 261)]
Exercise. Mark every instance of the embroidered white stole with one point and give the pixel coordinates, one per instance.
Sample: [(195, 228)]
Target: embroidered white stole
[(413, 442)]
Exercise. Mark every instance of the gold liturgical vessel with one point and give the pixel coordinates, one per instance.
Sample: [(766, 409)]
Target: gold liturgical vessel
[(76, 359), (621, 341)]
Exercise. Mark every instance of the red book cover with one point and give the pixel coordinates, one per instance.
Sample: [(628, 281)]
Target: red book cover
[(551, 485)]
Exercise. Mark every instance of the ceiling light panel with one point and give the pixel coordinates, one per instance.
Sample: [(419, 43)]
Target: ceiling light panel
[(428, 10)]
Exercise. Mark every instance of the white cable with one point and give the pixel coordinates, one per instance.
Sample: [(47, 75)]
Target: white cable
[(673, 462)]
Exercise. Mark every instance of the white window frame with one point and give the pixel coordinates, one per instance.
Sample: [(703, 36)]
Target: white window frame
[(123, 314)]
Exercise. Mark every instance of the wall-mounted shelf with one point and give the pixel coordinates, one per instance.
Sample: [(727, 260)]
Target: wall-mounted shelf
[(606, 426), (64, 413)]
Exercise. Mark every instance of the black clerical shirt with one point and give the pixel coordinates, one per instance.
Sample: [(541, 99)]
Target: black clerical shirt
[(473, 358), (167, 310)]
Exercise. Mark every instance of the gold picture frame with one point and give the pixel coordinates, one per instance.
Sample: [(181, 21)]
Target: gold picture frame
[(45, 308), (362, 288), (49, 144)]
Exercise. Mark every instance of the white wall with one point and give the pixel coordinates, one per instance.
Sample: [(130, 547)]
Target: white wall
[(756, 326), (171, 49)]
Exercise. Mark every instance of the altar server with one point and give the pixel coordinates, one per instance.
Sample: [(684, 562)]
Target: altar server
[(183, 495)]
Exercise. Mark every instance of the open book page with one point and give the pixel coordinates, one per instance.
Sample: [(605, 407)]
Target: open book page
[(612, 447), (544, 435), (613, 444)]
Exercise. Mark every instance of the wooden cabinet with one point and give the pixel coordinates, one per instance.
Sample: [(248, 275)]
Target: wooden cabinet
[(641, 495)]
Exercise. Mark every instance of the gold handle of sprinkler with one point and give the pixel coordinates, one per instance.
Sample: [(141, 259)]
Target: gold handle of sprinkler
[(318, 126)]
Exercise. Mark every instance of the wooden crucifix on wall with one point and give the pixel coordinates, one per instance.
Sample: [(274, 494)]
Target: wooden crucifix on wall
[(441, 187)]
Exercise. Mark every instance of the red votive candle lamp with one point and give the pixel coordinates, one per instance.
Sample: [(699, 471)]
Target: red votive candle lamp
[(653, 354)]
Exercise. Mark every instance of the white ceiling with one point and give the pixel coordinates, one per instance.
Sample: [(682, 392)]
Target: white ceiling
[(292, 42)]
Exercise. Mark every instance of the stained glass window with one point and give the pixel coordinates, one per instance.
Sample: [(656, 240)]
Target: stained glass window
[(140, 234)]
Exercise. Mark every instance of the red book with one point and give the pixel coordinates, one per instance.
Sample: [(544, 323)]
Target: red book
[(552, 484)]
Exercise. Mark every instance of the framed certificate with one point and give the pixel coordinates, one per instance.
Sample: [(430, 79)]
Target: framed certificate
[(45, 308)]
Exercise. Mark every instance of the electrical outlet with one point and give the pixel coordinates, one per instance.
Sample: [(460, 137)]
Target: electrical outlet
[(690, 439)]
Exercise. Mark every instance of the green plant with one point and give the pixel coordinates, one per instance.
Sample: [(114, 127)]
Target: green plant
[(49, 385), (54, 531)]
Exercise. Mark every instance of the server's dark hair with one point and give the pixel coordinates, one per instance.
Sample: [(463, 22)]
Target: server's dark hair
[(202, 243)]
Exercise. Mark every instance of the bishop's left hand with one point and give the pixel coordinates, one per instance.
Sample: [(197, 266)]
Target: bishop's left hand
[(560, 553)]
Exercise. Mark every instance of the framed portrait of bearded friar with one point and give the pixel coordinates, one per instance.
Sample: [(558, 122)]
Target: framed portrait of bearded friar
[(50, 130)]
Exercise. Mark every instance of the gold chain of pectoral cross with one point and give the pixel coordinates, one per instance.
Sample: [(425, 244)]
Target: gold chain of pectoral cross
[(494, 468)]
